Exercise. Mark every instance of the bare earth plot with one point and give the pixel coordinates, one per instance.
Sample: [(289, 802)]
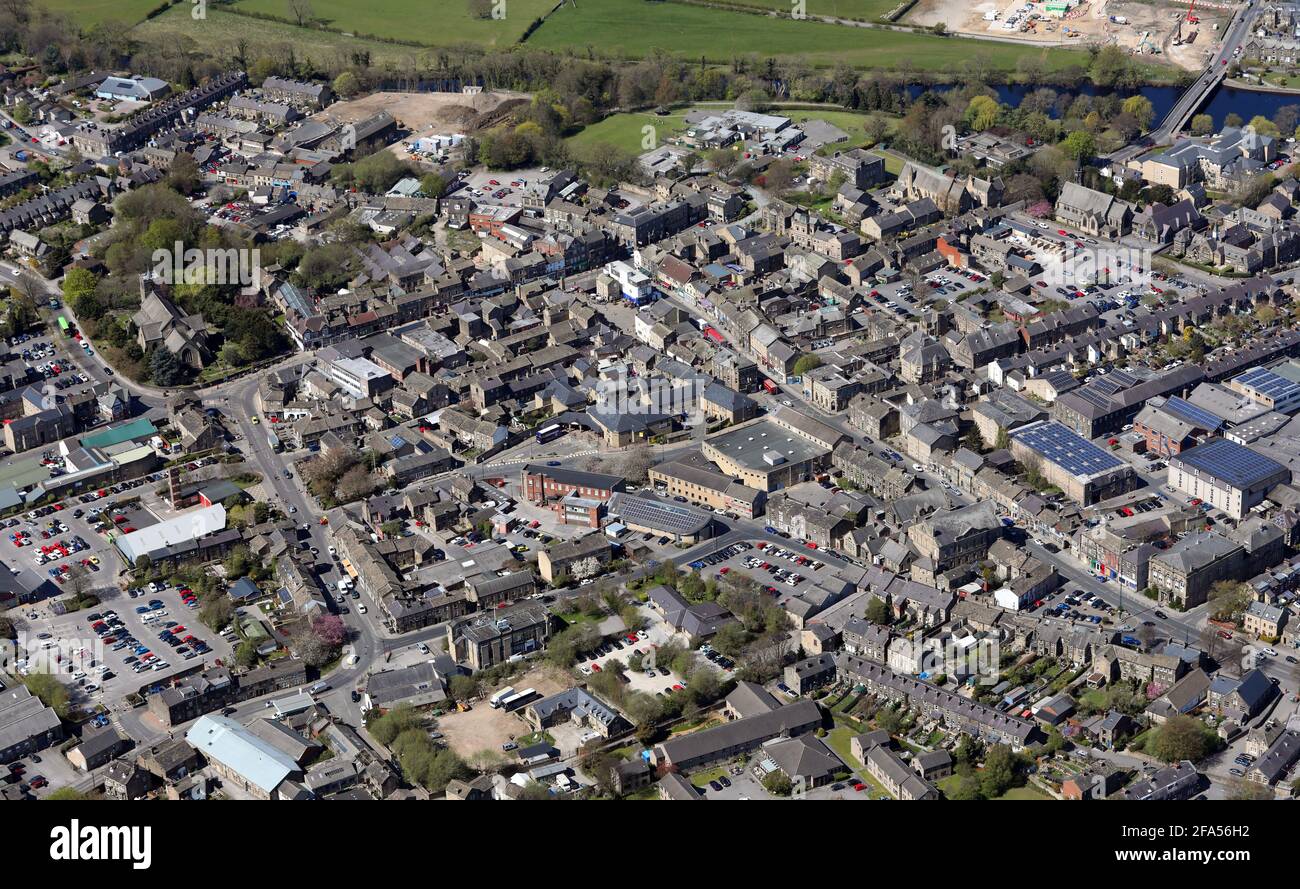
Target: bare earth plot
[(484, 728), (419, 112), (1148, 26)]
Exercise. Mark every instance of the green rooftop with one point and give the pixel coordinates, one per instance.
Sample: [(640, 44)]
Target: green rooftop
[(126, 432)]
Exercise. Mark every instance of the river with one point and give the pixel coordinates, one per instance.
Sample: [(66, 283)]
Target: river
[(1224, 101)]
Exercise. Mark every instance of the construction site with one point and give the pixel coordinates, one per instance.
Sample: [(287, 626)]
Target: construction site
[(1183, 34)]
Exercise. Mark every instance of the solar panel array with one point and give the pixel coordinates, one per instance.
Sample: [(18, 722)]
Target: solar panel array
[(1194, 414), (1234, 464), (1273, 385), (654, 513), (1067, 449)]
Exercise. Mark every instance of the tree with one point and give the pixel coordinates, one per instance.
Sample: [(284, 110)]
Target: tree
[(347, 85), (246, 654), (356, 483), (386, 728), (330, 629), (217, 612), (636, 463), (1228, 599), (1263, 126), (1141, 108), (433, 185), (301, 11), (982, 112), (165, 369), (52, 692), (1003, 440), (1243, 789), (778, 784), (805, 363), (875, 130), (968, 787), (67, 793), (878, 611), (1202, 125), (1181, 737), (1079, 145), (1001, 771), (463, 688)]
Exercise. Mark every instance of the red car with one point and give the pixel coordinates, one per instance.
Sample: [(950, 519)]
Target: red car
[(595, 668), (37, 783)]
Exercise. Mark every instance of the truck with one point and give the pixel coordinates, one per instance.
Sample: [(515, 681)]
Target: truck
[(769, 386), (518, 699), (20, 155), (495, 701)]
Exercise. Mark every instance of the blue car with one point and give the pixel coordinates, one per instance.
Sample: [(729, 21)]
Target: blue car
[(157, 607), (143, 609), (769, 529), (141, 649)]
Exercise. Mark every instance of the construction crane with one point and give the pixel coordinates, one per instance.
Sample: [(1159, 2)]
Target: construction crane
[(1191, 14)]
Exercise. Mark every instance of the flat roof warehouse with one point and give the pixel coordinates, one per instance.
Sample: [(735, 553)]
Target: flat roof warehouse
[(754, 446)]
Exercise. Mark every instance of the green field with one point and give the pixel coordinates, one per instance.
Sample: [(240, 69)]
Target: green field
[(432, 22), (220, 33), (634, 28), (625, 131), (863, 10), (92, 12)]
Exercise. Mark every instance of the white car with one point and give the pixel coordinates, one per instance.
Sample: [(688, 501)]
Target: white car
[(361, 608), (1270, 652), (917, 467)]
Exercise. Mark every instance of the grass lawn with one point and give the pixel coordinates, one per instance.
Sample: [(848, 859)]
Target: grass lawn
[(220, 33), (578, 617), (626, 131), (863, 10), (434, 22), (838, 740), (534, 738), (1026, 792), (651, 792), (92, 12), (634, 29), (850, 122), (702, 779), (698, 725), (949, 785)]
